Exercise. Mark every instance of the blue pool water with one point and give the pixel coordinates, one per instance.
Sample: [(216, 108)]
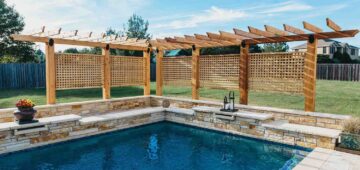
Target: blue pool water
[(158, 146)]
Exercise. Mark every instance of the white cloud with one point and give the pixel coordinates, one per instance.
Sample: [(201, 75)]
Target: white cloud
[(84, 15), (288, 7), (214, 14)]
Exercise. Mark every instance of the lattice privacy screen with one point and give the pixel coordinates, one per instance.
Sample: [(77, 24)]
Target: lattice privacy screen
[(177, 71), (220, 71), (127, 71), (278, 72), (78, 71)]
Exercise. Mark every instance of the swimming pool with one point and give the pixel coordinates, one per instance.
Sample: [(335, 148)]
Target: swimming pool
[(158, 146)]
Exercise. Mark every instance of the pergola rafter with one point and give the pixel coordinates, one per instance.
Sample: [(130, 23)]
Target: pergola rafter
[(88, 39)]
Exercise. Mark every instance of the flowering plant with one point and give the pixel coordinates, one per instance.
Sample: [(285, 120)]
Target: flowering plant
[(25, 103)]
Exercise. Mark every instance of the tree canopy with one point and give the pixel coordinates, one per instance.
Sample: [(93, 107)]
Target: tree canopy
[(137, 27), (11, 23), (275, 47)]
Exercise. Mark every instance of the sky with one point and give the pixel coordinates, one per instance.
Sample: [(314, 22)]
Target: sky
[(186, 17)]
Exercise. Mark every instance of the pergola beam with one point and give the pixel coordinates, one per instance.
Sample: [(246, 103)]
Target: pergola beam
[(304, 37), (64, 41)]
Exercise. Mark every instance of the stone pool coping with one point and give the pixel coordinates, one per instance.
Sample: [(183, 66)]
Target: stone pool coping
[(263, 108), (317, 159)]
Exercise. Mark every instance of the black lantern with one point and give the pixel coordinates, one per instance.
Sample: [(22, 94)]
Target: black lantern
[(229, 103)]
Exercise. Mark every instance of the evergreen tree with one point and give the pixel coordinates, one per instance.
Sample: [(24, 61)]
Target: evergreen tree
[(12, 23), (137, 27)]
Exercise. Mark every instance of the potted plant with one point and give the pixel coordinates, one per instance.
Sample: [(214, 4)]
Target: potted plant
[(25, 112), (350, 137)]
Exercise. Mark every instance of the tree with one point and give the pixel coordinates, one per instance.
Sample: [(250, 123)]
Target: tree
[(324, 59), (276, 47), (40, 56), (12, 23), (71, 50), (339, 57), (137, 27)]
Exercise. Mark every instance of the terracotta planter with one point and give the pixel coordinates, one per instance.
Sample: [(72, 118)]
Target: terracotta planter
[(25, 115), (350, 141)]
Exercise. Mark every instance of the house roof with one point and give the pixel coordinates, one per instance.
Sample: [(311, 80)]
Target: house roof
[(325, 43)]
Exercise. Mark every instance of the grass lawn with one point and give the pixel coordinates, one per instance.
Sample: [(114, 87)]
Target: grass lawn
[(332, 96)]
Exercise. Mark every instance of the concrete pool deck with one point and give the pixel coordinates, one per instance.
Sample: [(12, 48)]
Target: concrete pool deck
[(326, 159)]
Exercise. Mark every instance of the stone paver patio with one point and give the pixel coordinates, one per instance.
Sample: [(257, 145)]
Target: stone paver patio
[(326, 159)]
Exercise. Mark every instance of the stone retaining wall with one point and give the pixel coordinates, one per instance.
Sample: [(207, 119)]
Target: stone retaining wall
[(252, 128), (325, 120), (67, 130), (82, 108), (60, 131)]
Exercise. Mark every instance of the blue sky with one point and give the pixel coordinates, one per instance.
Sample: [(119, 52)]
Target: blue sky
[(175, 18)]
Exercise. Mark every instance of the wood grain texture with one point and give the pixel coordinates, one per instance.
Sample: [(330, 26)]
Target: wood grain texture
[(243, 74), (50, 74), (311, 27), (310, 76), (331, 24), (195, 78), (106, 76), (146, 73), (159, 73)]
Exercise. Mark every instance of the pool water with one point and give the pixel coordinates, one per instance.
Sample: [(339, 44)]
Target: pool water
[(158, 146)]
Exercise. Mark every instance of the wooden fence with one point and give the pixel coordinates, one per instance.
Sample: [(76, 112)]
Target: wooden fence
[(25, 75), (343, 72), (33, 75)]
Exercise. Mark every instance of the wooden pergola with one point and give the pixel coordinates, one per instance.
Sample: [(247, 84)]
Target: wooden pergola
[(240, 38), (50, 38)]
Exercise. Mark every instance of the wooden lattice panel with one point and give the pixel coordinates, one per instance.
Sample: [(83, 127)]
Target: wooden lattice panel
[(177, 71), (127, 71), (75, 71), (277, 72), (220, 71)]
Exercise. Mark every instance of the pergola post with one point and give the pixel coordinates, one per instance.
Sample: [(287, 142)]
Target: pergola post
[(50, 72), (243, 73), (310, 74), (195, 78), (106, 73), (147, 72), (159, 73)]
